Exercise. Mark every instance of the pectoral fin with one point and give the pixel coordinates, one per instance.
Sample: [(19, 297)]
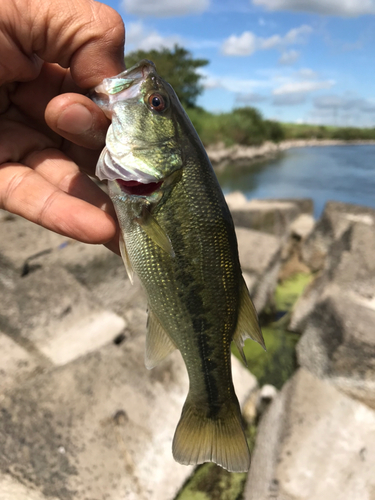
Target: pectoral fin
[(158, 342), (125, 258), (247, 324), (151, 227)]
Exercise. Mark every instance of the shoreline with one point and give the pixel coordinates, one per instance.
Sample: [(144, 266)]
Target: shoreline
[(221, 156)]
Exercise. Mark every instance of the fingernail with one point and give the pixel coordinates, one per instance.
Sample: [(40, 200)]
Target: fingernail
[(75, 119)]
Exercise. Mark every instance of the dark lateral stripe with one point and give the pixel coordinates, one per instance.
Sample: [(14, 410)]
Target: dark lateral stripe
[(190, 294)]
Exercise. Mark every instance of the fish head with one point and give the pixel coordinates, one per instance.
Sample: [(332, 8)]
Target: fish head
[(143, 143)]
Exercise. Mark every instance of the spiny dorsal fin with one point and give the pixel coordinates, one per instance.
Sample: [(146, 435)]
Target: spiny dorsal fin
[(158, 342), (125, 258), (247, 323), (151, 227)]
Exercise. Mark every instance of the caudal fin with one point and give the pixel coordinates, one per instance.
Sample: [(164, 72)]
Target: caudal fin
[(220, 439)]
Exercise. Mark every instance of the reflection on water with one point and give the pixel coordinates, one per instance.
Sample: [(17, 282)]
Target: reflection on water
[(341, 173)]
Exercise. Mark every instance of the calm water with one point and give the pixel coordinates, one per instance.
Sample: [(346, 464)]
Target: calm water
[(341, 173)]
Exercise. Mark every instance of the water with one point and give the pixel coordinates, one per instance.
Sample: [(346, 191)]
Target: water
[(340, 173)]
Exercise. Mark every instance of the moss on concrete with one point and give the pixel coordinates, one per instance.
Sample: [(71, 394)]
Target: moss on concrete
[(278, 363)]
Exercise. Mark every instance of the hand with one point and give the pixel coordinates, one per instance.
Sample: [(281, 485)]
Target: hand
[(52, 52)]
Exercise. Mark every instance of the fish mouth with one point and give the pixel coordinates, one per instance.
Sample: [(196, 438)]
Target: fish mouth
[(135, 188)]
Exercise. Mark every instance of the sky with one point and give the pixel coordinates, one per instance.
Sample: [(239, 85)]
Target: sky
[(299, 61)]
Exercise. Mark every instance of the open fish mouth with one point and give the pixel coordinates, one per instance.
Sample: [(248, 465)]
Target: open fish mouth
[(135, 188), (108, 168)]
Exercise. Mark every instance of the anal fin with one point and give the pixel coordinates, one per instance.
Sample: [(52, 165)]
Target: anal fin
[(158, 342), (247, 323)]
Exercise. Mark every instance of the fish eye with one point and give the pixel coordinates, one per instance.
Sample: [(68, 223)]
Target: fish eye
[(157, 102)]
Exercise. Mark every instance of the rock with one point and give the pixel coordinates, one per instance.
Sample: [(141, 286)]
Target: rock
[(335, 220), (11, 489), (54, 315), (26, 247), (338, 343), (80, 415), (314, 443), (302, 226), (236, 200), (20, 240), (257, 403), (100, 427), (336, 313), (260, 260), (349, 266), (16, 364), (266, 395), (269, 216), (221, 156)]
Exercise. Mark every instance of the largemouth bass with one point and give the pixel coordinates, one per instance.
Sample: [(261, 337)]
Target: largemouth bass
[(178, 237)]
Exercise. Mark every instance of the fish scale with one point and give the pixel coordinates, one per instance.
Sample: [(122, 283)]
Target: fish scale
[(180, 241)]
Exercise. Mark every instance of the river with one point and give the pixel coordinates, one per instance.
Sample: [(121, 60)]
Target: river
[(340, 173)]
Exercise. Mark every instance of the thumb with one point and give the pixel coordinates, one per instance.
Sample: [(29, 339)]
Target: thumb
[(85, 35)]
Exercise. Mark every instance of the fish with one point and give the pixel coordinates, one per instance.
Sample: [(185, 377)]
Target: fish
[(178, 237)]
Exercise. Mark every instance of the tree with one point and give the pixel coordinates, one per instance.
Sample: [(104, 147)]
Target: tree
[(178, 68)]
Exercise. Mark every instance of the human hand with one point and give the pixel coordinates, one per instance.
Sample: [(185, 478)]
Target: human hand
[(52, 52)]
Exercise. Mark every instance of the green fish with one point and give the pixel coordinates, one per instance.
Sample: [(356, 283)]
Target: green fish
[(179, 238)]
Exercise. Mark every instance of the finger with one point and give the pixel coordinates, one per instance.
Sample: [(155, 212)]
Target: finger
[(18, 139), (78, 119), (25, 192), (87, 36), (63, 173)]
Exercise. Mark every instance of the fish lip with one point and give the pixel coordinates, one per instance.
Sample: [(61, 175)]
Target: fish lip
[(109, 169), (130, 77)]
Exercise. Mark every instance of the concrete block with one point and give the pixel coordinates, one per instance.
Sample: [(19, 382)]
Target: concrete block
[(260, 260), (101, 426), (313, 443), (56, 315), (16, 364)]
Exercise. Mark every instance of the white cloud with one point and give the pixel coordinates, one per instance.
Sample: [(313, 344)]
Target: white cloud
[(247, 43), (164, 8), (243, 45), (289, 57), (344, 110), (236, 85), (138, 37), (304, 86), (297, 35), (250, 98), (346, 8), (289, 99), (336, 103), (306, 73)]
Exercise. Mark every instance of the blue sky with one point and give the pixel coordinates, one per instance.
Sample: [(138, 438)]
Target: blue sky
[(304, 61)]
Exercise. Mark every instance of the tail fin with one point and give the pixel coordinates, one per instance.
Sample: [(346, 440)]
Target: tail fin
[(220, 439)]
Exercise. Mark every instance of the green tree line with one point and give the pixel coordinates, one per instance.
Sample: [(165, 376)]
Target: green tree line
[(243, 125)]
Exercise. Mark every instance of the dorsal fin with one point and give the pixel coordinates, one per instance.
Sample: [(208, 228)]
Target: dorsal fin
[(158, 342), (247, 323)]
